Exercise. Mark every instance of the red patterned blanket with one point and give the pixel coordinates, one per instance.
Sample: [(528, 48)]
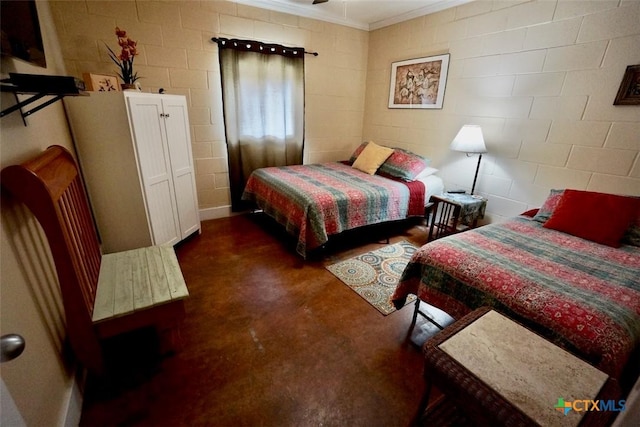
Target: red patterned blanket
[(316, 201), (579, 294)]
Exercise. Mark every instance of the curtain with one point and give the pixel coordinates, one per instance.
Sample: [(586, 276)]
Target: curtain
[(263, 104)]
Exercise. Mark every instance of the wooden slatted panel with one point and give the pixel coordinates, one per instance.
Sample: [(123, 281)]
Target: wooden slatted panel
[(138, 279), (160, 283), (177, 286), (75, 220), (142, 291), (49, 185), (103, 306), (123, 289), (92, 253)]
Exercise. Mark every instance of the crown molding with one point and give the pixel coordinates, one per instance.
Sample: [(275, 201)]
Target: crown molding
[(317, 13), (432, 8), (307, 12)]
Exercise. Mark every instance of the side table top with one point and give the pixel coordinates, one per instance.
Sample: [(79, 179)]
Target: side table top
[(472, 206), (462, 199), (527, 370)]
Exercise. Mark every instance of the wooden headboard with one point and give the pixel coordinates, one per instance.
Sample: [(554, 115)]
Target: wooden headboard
[(51, 187), (136, 288)]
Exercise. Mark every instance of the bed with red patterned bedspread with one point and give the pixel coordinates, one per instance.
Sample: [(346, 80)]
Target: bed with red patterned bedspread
[(581, 295), (316, 201)]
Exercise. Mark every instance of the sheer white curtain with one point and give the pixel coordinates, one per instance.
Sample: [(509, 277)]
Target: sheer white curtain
[(263, 98)]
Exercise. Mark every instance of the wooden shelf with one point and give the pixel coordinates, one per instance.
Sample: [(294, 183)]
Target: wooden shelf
[(38, 87)]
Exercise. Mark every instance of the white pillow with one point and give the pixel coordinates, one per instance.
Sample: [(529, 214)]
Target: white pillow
[(426, 172)]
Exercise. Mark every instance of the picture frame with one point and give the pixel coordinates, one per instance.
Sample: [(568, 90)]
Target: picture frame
[(101, 82), (21, 34), (629, 91), (419, 83)]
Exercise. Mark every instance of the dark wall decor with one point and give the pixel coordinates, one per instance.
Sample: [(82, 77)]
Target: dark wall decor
[(21, 36), (629, 92)]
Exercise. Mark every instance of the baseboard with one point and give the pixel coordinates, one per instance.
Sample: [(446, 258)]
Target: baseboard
[(73, 411), (215, 213)]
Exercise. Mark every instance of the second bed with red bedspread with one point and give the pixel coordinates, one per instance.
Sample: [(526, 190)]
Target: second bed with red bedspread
[(582, 295)]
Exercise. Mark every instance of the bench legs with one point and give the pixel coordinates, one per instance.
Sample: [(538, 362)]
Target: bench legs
[(170, 340), (166, 319)]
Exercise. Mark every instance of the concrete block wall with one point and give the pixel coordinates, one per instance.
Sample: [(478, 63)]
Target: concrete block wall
[(540, 78), (177, 54)]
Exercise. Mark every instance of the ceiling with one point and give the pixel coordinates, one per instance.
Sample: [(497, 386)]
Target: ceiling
[(361, 14)]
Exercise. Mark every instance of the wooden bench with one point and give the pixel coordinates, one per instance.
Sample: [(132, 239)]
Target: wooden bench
[(103, 295)]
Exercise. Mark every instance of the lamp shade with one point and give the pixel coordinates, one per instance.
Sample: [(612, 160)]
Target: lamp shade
[(469, 140)]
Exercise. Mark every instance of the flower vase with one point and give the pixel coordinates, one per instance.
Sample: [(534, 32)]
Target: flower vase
[(128, 86)]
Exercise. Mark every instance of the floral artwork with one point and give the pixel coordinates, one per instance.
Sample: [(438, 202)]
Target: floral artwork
[(124, 60), (101, 82), (106, 85), (418, 83)]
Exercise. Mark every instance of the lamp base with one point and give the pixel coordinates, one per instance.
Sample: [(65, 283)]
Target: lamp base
[(475, 178)]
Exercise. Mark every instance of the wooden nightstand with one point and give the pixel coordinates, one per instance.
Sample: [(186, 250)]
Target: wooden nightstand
[(453, 213)]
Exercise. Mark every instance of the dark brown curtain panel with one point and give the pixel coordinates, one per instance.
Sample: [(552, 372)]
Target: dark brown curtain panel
[(263, 104)]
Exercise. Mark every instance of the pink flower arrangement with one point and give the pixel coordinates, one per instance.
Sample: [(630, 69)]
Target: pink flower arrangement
[(125, 59)]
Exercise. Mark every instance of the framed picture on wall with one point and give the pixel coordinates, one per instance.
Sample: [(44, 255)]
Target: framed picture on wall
[(101, 82), (419, 83), (629, 92), (21, 35)]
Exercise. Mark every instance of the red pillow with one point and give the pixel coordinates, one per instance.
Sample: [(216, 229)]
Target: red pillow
[(599, 217), (530, 213)]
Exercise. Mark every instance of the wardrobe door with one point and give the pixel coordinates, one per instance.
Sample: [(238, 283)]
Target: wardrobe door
[(147, 123), (176, 121)]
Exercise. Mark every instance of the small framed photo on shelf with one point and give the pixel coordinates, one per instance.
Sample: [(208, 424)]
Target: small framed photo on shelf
[(101, 82), (629, 92), (418, 83)]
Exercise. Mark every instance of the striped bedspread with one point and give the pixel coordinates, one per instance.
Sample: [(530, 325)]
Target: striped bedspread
[(581, 295), (316, 201)]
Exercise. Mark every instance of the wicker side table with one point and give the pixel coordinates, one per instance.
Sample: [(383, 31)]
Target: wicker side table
[(489, 399)]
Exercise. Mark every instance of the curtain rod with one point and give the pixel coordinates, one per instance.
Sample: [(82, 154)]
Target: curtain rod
[(260, 47)]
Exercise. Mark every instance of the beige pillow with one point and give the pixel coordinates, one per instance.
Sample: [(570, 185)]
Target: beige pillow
[(372, 157)]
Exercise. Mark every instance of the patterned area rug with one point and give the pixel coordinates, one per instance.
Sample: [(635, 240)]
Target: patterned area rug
[(374, 275)]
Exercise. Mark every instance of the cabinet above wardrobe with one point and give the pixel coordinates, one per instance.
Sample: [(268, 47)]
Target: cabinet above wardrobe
[(135, 154)]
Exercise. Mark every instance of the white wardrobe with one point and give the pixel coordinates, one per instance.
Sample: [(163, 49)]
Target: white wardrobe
[(134, 151)]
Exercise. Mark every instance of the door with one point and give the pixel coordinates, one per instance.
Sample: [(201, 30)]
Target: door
[(11, 346), (147, 122), (9, 414), (37, 385), (177, 126)]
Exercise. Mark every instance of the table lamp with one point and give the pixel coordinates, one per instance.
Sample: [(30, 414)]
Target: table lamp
[(469, 140)]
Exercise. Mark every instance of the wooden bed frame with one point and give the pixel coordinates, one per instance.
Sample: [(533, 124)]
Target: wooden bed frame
[(103, 295)]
